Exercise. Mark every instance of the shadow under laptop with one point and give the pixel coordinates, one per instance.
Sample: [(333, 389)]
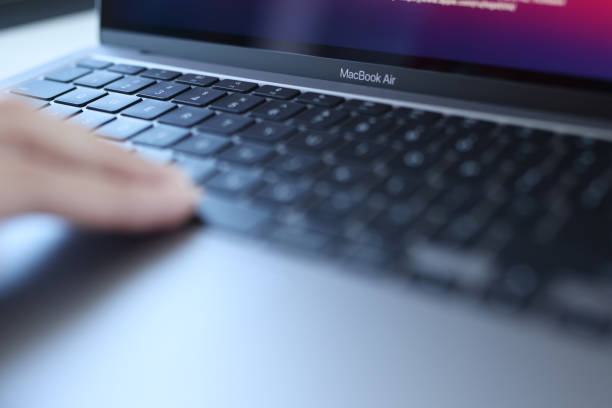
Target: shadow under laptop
[(52, 273)]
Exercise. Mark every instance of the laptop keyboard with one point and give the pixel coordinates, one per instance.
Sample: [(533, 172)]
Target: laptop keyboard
[(516, 218)]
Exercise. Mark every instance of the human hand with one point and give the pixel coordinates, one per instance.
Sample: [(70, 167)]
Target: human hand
[(53, 167)]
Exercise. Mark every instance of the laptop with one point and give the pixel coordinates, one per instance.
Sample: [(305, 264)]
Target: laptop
[(408, 204)]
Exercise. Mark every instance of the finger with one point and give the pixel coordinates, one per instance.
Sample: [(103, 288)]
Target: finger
[(98, 201), (72, 145)]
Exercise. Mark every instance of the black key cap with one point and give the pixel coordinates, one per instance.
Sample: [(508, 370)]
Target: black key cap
[(283, 192), (334, 208), (363, 151), (41, 89), (199, 96), (67, 74), (225, 124), (277, 92), (61, 111), (130, 84), (163, 91), (80, 96), (225, 213), (160, 74), (161, 136), (314, 142), (236, 86), (94, 63), (98, 79), (148, 109), (268, 132), (113, 103), (364, 127), (234, 182), (295, 165), (345, 174), (91, 120), (247, 155), (203, 145), (321, 119), (366, 107), (325, 101), (186, 116), (415, 116), (123, 128), (197, 80), (126, 69), (237, 103), (397, 187), (197, 170), (278, 111)]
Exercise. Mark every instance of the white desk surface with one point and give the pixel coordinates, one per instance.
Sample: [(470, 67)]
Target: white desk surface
[(28, 45)]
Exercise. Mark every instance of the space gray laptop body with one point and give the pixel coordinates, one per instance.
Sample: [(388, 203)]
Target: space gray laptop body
[(206, 317)]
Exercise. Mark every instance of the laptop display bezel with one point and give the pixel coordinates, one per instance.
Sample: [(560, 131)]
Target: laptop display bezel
[(527, 89)]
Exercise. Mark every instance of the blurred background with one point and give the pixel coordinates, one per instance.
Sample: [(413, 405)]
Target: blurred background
[(35, 31)]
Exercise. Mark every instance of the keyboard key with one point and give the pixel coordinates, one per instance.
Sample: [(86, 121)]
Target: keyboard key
[(276, 92), (321, 119), (237, 103), (268, 132), (233, 85), (278, 111), (197, 170), (416, 116), (160, 74), (197, 80), (225, 124), (203, 145), (61, 112), (98, 79), (80, 96), (126, 69), (161, 136), (234, 182), (199, 96), (91, 120), (163, 91), (314, 142), (67, 74), (130, 84), (226, 213), (123, 128), (94, 63), (345, 174), (295, 165), (247, 155), (317, 99), (113, 103), (366, 107), (186, 116), (363, 151), (148, 109), (283, 192), (363, 127), (41, 89)]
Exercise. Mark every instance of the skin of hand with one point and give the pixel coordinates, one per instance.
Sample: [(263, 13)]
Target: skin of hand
[(53, 167)]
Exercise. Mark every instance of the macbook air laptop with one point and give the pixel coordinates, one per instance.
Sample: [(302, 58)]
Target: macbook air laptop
[(408, 204)]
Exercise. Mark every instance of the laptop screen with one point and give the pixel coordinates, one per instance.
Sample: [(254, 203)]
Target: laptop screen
[(558, 41)]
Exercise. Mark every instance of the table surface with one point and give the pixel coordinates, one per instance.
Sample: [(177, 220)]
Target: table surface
[(28, 45)]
